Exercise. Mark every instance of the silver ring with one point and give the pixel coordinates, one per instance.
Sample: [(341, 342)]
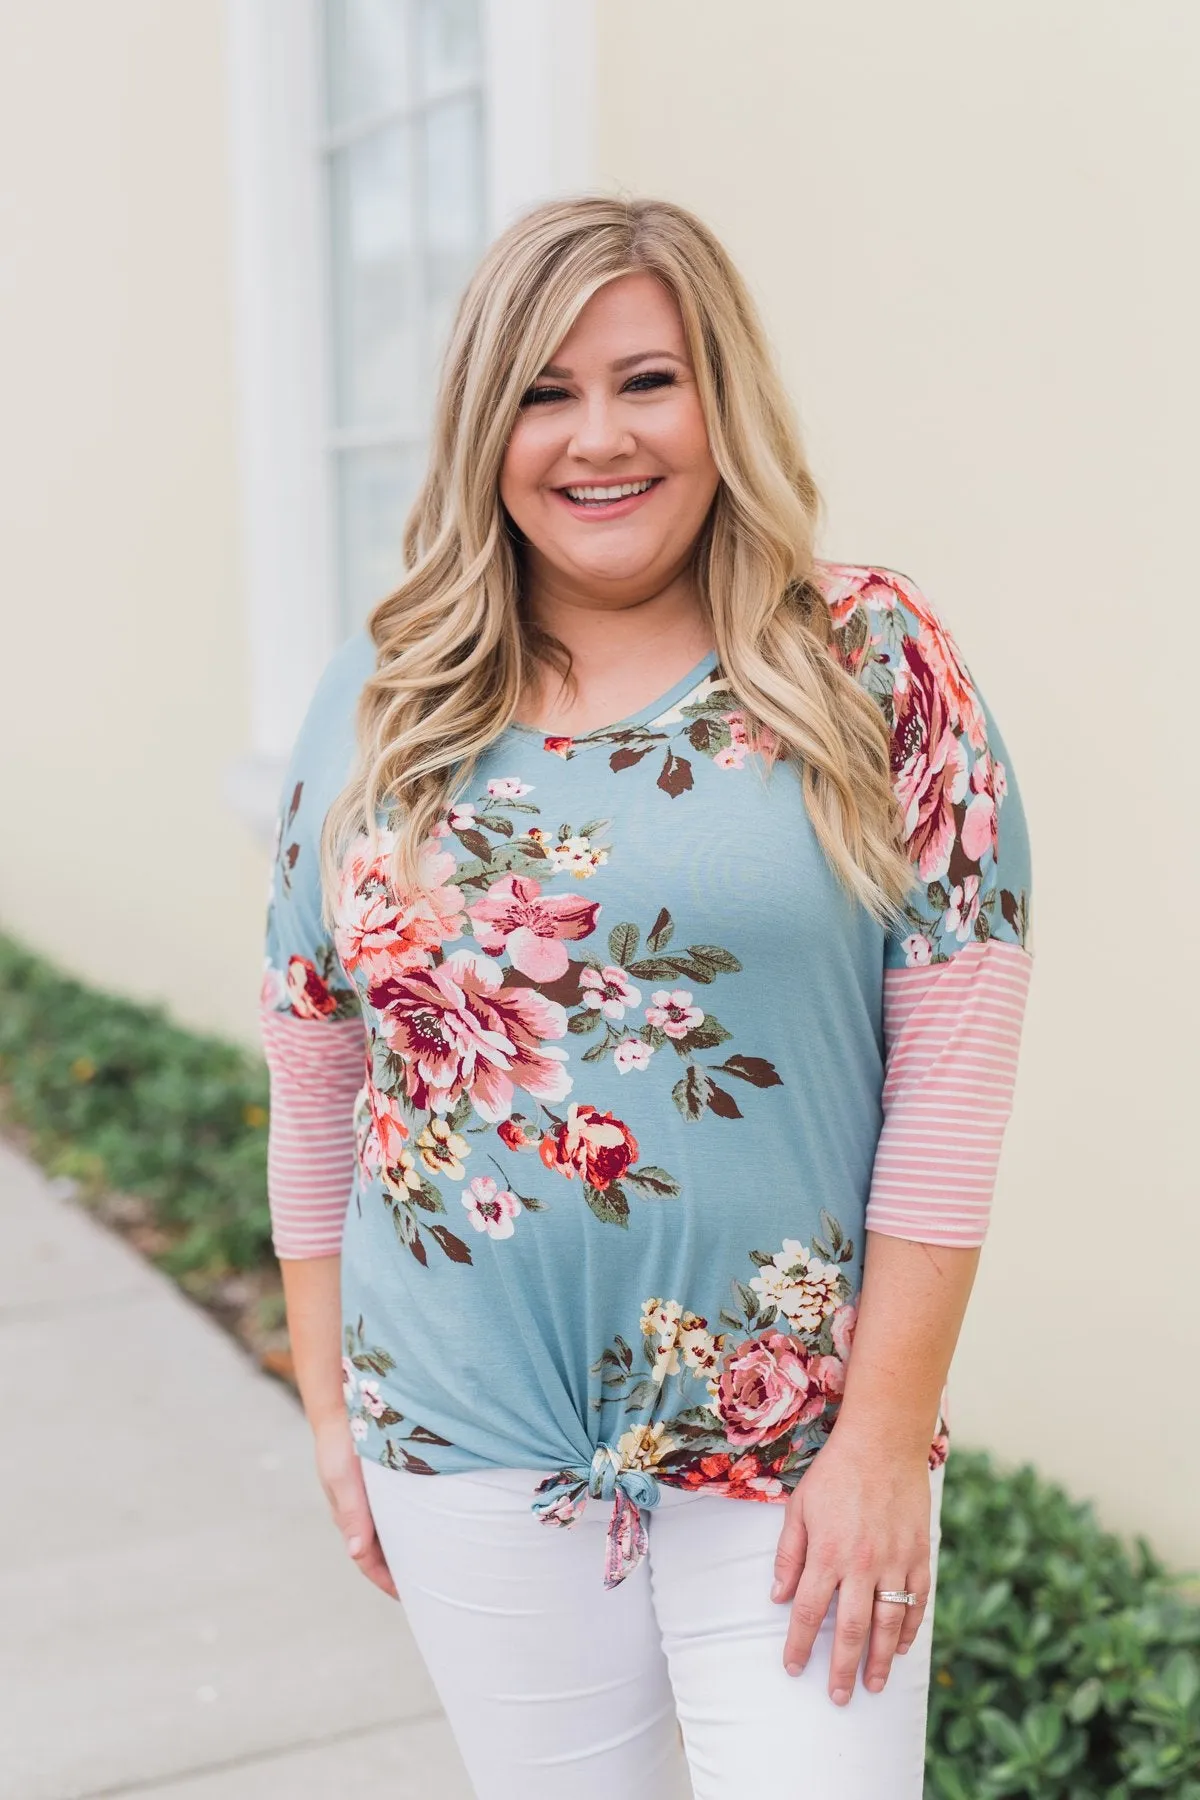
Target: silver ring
[(901, 1597)]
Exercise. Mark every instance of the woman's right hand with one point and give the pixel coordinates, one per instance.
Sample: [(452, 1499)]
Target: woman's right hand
[(340, 1469)]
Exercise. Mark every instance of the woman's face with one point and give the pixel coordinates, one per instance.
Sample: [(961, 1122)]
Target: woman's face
[(614, 409)]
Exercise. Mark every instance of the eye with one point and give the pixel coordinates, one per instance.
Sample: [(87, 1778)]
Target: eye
[(650, 379), (536, 396)]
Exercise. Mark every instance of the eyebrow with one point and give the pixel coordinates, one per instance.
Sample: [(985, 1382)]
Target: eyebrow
[(624, 362)]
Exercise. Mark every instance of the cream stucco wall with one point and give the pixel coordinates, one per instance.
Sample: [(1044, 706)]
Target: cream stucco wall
[(125, 684), (972, 233)]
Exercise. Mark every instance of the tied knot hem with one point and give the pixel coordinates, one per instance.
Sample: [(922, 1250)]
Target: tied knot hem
[(564, 1495)]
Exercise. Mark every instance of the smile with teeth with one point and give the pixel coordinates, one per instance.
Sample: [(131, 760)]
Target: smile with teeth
[(599, 496)]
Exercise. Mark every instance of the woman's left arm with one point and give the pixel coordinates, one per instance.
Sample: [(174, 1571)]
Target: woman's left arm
[(956, 973), (859, 1520)]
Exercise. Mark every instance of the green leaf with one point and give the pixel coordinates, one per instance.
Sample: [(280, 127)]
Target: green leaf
[(723, 961), (609, 1204), (691, 1093), (587, 1019), (623, 944), (661, 932), (652, 1181)]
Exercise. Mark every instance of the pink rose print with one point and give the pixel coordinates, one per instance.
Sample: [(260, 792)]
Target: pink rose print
[(309, 997), (387, 1133), (491, 1208), (674, 1013), (274, 990), (609, 990), (720, 1473), (508, 788), (561, 746), (767, 1387), (515, 915), (844, 586), (459, 1030), (979, 833), (929, 765), (918, 951), (963, 909), (631, 1053), (593, 1145), (830, 1372), (518, 1133), (380, 933), (842, 1326)]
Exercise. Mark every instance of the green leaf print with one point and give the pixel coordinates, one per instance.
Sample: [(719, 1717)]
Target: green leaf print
[(705, 1036), (428, 1197), (722, 962), (580, 1023), (709, 736), (661, 932), (644, 1394), (691, 1093), (596, 1052), (623, 943), (475, 843), (609, 1204), (656, 1183)]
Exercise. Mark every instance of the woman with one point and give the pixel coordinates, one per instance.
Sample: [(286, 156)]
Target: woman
[(684, 960)]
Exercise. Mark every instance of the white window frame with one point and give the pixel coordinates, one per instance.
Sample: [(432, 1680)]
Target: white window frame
[(282, 314)]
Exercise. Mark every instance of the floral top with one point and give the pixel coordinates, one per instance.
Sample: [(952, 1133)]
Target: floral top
[(597, 1116)]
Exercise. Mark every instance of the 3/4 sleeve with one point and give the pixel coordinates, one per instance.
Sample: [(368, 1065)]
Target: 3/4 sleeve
[(310, 1018), (957, 970)]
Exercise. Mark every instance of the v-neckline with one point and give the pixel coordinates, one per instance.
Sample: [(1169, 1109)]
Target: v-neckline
[(644, 714)]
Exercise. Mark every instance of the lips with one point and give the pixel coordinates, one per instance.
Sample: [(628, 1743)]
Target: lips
[(606, 499)]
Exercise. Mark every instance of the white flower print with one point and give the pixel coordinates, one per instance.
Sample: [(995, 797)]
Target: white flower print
[(349, 1380), (575, 856), (359, 1427), (963, 909), (803, 1287), (508, 787), (673, 1012), (642, 1446), (609, 990), (372, 1399), (918, 951), (491, 1207), (631, 1053)]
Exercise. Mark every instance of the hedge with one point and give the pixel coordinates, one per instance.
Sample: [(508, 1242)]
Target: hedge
[(1066, 1665)]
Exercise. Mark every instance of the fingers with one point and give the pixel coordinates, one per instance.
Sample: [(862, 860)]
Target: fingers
[(814, 1593), (789, 1557), (880, 1628), (370, 1560), (352, 1515), (887, 1623)]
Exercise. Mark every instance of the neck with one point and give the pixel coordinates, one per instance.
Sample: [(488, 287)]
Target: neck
[(603, 631)]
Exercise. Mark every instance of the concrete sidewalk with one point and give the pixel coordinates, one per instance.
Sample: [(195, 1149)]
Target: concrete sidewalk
[(178, 1618)]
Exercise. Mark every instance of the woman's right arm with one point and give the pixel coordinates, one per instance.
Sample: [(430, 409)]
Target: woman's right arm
[(312, 1291), (315, 1041)]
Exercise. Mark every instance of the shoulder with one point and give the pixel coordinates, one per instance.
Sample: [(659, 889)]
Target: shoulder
[(950, 769), (324, 751), (327, 732), (890, 636)]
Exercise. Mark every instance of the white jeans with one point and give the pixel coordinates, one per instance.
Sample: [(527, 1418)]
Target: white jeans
[(557, 1688)]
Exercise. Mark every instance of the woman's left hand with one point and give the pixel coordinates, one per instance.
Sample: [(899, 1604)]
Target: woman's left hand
[(857, 1520)]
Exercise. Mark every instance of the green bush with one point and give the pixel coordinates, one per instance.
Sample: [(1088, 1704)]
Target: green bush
[(118, 1097), (1065, 1666)]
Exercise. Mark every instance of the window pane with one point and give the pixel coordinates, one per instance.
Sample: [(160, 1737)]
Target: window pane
[(367, 55), (375, 490), (450, 43), (376, 283), (454, 205)]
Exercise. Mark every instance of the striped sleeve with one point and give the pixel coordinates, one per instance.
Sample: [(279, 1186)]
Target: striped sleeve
[(317, 1069), (310, 1013), (957, 965), (952, 1031)]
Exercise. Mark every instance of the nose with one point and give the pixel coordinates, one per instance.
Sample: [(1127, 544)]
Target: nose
[(599, 435)]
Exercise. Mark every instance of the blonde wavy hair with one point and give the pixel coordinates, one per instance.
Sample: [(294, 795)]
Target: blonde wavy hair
[(455, 651)]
